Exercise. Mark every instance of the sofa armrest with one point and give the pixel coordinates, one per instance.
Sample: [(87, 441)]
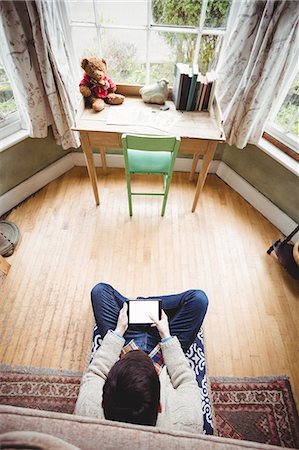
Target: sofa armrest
[(89, 434)]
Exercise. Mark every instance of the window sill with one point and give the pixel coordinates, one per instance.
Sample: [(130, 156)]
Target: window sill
[(279, 156), (13, 139)]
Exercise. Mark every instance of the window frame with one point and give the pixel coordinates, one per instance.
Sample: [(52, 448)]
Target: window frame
[(151, 27), (10, 127), (272, 133)]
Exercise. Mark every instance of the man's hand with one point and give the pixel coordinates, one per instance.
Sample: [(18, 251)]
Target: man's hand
[(162, 325), (122, 322)]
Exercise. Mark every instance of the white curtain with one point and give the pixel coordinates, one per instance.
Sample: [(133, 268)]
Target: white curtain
[(35, 55), (260, 51)]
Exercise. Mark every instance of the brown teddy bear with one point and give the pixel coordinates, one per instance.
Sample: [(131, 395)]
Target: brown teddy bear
[(96, 85)]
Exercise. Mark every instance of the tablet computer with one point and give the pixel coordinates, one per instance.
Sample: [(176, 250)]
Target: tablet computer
[(140, 310)]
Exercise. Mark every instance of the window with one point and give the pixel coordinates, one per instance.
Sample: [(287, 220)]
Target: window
[(9, 117), (143, 39), (283, 126)]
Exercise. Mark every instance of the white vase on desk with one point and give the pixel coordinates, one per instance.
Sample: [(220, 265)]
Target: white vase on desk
[(155, 93)]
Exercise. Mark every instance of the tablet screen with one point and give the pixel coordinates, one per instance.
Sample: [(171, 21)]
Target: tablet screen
[(139, 311)]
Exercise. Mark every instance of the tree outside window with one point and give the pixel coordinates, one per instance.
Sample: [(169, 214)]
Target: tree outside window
[(288, 115), (7, 101), (282, 129), (188, 13)]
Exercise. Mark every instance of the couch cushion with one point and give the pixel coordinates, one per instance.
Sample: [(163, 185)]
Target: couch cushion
[(92, 434), (32, 440)]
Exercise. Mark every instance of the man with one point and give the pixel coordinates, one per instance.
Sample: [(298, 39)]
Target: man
[(129, 389)]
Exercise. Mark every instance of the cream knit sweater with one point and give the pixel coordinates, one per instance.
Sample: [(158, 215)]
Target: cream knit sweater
[(180, 394)]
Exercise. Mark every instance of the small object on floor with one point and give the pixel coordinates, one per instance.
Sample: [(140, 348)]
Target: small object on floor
[(296, 252), (9, 236), (287, 254)]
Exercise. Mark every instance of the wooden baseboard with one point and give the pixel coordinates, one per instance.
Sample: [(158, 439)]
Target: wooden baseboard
[(275, 215), (19, 193)]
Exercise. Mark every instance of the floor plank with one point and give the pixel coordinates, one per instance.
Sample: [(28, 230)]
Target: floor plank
[(68, 245)]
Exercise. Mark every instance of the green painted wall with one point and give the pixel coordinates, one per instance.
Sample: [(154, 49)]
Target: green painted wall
[(269, 177), (20, 162)]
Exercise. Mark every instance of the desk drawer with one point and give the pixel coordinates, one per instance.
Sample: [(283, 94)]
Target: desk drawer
[(102, 139)]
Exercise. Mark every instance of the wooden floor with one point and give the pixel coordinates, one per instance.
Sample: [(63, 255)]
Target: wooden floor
[(68, 245)]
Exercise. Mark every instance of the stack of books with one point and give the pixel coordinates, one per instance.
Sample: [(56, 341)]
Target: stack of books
[(193, 91)]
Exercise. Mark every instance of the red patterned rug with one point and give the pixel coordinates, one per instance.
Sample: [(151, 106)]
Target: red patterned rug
[(256, 409)]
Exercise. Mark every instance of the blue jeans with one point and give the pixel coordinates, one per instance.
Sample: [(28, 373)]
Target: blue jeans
[(185, 311)]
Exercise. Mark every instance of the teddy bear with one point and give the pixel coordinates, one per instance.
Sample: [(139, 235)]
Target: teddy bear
[(96, 85)]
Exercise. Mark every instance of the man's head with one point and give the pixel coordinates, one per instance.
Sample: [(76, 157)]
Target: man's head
[(131, 392)]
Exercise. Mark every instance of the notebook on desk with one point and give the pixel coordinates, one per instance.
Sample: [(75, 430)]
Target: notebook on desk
[(149, 117)]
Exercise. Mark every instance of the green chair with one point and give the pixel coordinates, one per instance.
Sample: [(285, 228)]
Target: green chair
[(149, 155)]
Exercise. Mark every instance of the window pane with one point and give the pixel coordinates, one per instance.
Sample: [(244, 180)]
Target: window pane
[(122, 12), (288, 115), (209, 52), (124, 51), (82, 11), (85, 41), (175, 12), (217, 13), (166, 49), (7, 101)]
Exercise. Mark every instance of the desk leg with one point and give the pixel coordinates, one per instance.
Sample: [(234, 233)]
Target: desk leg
[(193, 168), (103, 159), (208, 156), (90, 164)]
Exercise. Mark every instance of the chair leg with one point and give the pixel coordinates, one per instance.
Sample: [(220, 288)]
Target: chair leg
[(129, 194), (167, 186)]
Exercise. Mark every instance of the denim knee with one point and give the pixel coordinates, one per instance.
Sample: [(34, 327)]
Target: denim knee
[(200, 299), (97, 291)]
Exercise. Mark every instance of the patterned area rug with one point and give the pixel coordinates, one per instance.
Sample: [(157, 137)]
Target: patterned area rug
[(47, 389), (259, 409), (256, 409)]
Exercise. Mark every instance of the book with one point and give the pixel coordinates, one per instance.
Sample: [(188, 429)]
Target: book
[(212, 93), (179, 70), (199, 87), (210, 76), (192, 87), (187, 75), (203, 93), (204, 106)]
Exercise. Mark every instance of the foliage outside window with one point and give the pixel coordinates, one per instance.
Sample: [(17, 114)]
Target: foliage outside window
[(283, 126), (143, 39), (7, 101), (9, 116)]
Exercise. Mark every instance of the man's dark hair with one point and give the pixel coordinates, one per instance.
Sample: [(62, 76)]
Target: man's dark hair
[(131, 392)]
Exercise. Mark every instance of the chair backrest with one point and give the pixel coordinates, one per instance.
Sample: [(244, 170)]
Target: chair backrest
[(146, 154), (151, 143)]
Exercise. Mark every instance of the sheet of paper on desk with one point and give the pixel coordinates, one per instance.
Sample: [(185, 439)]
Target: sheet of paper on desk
[(161, 120)]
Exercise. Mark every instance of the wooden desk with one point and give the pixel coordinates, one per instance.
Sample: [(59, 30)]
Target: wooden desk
[(200, 133)]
